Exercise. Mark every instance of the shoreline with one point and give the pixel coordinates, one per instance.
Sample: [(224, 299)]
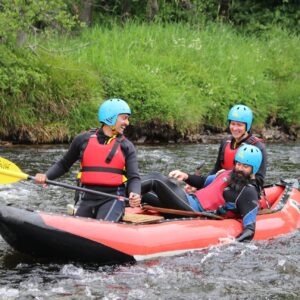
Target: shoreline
[(166, 136), (157, 135)]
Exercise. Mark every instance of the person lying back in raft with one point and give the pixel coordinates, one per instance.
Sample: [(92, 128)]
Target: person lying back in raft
[(240, 119), (108, 160), (231, 194)]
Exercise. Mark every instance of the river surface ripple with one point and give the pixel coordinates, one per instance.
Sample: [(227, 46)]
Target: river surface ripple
[(258, 270)]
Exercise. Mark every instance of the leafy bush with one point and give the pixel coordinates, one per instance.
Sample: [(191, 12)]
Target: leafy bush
[(43, 100)]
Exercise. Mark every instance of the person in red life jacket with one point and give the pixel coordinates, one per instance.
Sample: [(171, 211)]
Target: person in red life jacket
[(108, 161), (231, 194), (240, 119)]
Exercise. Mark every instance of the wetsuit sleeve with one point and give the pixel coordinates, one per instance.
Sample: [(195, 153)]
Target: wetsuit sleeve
[(68, 159), (219, 160), (195, 181), (261, 173), (247, 207), (132, 170)]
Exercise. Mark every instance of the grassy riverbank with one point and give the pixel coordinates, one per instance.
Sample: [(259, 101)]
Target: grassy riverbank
[(176, 78)]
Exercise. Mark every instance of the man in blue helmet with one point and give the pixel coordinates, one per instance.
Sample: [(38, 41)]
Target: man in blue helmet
[(108, 160), (240, 119), (231, 194)]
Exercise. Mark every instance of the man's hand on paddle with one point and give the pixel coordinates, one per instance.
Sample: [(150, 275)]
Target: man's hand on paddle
[(179, 175), (134, 199), (40, 179)]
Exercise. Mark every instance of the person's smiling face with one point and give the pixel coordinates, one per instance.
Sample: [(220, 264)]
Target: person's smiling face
[(121, 123), (237, 129), (246, 169)]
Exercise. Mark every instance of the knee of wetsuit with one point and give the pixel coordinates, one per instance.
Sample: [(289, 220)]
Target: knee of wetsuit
[(151, 198), (150, 176)]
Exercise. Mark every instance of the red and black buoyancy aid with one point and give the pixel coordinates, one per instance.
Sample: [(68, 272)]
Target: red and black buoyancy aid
[(103, 164), (228, 154), (211, 197)]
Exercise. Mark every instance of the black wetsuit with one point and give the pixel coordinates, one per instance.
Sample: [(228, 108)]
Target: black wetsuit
[(94, 206), (158, 189), (261, 173)]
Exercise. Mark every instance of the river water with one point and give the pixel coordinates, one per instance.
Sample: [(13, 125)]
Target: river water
[(258, 270)]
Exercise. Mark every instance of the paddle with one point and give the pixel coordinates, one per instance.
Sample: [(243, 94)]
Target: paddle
[(181, 212), (11, 173), (199, 167)]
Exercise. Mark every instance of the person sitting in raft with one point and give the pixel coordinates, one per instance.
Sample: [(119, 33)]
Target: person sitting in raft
[(108, 160), (240, 119), (231, 194)]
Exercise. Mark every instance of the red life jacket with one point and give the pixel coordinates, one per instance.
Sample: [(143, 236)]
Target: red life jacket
[(229, 154), (99, 167), (211, 197)]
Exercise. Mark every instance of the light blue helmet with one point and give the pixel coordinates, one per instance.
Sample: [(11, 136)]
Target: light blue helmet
[(110, 109), (249, 155), (241, 113)]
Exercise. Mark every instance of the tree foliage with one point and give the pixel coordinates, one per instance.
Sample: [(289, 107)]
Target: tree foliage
[(18, 18), (254, 15), (262, 15)]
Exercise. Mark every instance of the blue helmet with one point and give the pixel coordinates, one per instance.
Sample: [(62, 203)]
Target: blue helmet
[(110, 109), (241, 113), (249, 155)]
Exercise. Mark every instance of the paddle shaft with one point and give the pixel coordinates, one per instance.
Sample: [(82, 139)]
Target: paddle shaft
[(81, 189), (148, 207), (181, 212), (199, 167), (9, 169), (23, 176)]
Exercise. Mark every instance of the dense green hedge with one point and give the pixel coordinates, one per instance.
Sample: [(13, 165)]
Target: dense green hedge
[(172, 75), (253, 16), (42, 101)]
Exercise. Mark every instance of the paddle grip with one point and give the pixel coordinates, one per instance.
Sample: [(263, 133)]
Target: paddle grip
[(81, 189)]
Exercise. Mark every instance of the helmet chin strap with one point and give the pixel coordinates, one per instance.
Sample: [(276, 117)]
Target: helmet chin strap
[(109, 130), (245, 134), (113, 129)]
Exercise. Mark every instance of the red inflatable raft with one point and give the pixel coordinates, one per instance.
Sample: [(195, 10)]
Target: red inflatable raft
[(43, 234)]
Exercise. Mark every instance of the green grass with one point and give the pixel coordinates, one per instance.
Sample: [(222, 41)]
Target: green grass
[(172, 75)]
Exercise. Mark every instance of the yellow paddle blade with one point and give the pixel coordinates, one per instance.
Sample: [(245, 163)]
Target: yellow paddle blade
[(9, 172)]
